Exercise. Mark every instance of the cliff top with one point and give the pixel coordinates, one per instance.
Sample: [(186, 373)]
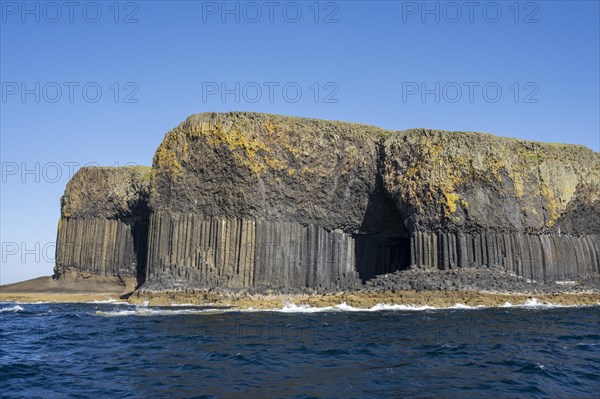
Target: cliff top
[(206, 120), (332, 173), (107, 192), (349, 176)]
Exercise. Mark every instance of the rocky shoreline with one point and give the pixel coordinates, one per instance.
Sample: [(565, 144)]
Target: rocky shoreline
[(357, 299), (365, 300), (477, 280), (419, 287)]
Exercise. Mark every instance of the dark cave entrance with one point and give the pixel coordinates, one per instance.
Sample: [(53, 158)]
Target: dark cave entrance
[(383, 242), (139, 231), (139, 220), (380, 254)]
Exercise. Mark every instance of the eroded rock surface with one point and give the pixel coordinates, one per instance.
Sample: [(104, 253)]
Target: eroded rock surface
[(267, 202), (244, 199), (104, 224)]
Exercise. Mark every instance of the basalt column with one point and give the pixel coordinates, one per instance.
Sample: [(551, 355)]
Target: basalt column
[(476, 200), (254, 200), (189, 250), (104, 224), (539, 257)]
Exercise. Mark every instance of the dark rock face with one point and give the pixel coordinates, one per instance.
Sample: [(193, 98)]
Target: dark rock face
[(540, 257), (104, 223), (278, 198), (582, 215), (457, 181), (245, 165), (495, 280), (475, 200), (244, 200), (189, 250)]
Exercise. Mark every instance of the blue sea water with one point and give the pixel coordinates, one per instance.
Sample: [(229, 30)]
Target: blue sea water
[(112, 350)]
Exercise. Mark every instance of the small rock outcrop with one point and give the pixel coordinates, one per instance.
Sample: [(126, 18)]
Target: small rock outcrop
[(104, 224), (257, 201)]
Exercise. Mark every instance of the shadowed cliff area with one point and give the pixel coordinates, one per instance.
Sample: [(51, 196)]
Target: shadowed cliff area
[(256, 201)]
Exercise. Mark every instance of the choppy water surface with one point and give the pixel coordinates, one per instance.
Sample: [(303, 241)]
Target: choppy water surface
[(111, 350)]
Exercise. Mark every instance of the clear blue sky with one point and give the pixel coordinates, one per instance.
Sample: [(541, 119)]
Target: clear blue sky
[(353, 60)]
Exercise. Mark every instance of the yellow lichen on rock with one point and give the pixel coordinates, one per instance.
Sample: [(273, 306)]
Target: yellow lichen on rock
[(169, 153), (450, 170), (258, 152), (451, 200)]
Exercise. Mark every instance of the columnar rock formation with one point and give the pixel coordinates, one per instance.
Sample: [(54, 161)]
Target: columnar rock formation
[(187, 249), (104, 223), (275, 197), (476, 200), (252, 200)]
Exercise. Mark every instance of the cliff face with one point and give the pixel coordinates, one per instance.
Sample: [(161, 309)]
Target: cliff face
[(243, 200), (459, 181), (248, 199), (244, 165), (104, 223), (476, 200)]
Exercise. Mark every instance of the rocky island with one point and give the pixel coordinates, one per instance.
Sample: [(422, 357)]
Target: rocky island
[(239, 206)]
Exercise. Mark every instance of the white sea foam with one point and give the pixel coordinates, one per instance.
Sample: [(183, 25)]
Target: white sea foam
[(540, 366), (463, 306), (13, 309), (110, 301), (387, 306), (290, 307), (148, 311), (534, 303)]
